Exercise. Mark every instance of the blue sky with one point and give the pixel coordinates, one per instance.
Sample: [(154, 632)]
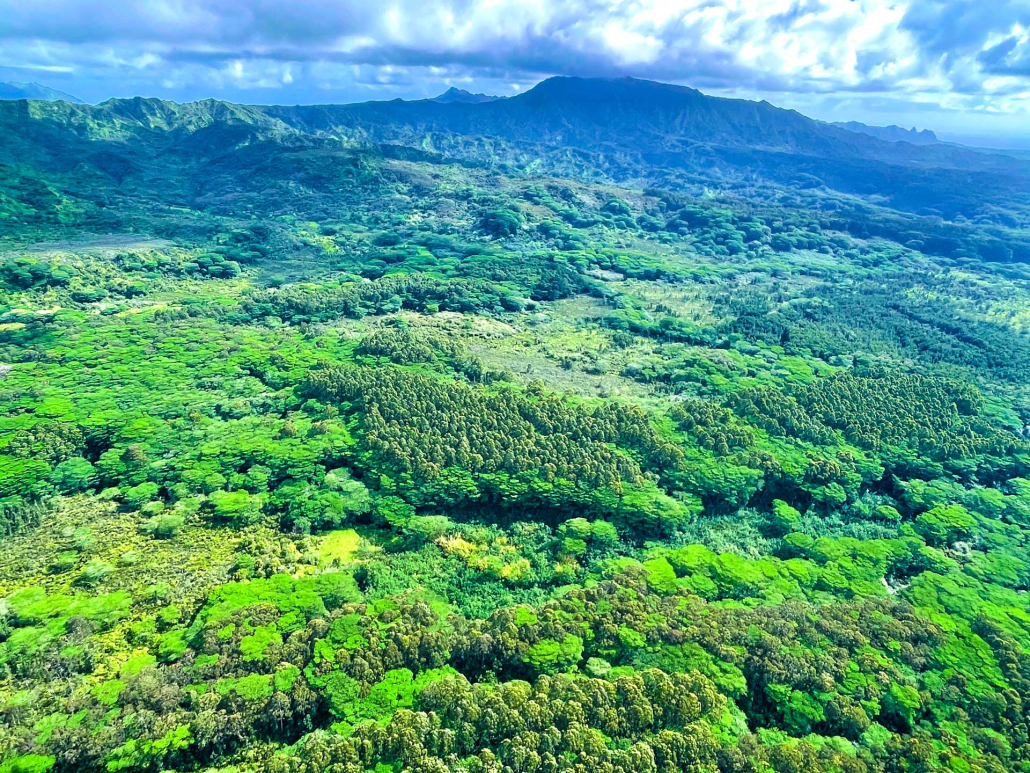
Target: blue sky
[(961, 67)]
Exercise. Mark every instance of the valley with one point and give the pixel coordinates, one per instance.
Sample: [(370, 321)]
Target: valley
[(607, 427)]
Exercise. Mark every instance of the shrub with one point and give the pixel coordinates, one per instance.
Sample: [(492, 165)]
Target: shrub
[(94, 573), (165, 525)]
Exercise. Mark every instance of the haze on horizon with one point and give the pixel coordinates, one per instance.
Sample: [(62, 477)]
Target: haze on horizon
[(959, 67)]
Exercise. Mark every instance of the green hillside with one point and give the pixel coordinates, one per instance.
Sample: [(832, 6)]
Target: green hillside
[(610, 427)]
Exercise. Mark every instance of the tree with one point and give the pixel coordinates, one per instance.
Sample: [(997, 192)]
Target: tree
[(501, 223), (784, 518), (235, 508), (426, 528), (74, 475), (137, 496), (945, 524)]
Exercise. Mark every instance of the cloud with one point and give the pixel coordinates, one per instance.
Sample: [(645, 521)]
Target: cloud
[(963, 55)]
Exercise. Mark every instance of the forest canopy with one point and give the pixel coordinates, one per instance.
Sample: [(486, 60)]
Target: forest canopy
[(413, 449)]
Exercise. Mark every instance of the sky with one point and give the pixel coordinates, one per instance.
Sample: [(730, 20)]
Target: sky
[(960, 67)]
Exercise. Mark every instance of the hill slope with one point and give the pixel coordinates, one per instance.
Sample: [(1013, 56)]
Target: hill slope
[(623, 130), (461, 95), (626, 131), (398, 438)]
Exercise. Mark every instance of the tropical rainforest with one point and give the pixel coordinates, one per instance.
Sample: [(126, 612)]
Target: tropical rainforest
[(609, 428)]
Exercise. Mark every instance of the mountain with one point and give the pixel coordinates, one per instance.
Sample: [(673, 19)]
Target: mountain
[(460, 95), (890, 133), (610, 428), (573, 111), (624, 130), (628, 113), (15, 90)]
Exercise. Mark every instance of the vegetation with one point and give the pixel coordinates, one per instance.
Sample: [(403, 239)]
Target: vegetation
[(380, 455)]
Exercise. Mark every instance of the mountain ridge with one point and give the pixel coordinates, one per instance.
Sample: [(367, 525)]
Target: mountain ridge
[(891, 133), (454, 94), (14, 90), (624, 130), (622, 99)]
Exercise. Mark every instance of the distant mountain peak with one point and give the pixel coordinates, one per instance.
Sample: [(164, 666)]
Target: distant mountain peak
[(16, 90), (624, 93), (454, 94), (891, 133)]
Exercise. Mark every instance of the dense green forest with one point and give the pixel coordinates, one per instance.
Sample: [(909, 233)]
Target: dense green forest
[(368, 439)]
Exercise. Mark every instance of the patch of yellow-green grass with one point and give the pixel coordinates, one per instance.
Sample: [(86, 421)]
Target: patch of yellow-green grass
[(688, 301), (85, 531), (1010, 313), (337, 547), (106, 243), (558, 346)]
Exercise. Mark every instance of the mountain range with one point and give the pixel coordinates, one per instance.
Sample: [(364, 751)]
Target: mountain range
[(623, 130), (891, 133), (16, 90)]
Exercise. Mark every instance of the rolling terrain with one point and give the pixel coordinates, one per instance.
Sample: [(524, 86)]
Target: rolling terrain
[(608, 427)]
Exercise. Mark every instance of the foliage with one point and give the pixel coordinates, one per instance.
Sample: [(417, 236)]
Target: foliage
[(330, 444)]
